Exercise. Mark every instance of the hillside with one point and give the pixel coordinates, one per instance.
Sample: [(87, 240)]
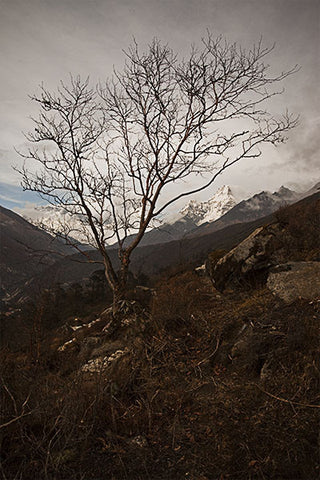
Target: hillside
[(25, 251), (193, 383)]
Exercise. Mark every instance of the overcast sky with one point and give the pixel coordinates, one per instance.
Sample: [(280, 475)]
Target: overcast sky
[(45, 40)]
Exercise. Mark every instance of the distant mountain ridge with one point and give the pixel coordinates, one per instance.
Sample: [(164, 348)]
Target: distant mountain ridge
[(192, 250), (259, 205), (53, 218), (196, 217), (192, 215)]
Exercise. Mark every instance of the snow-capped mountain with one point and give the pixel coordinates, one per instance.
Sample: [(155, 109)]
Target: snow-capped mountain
[(194, 218), (267, 202), (192, 215), (311, 191), (257, 206), (211, 210), (53, 219)]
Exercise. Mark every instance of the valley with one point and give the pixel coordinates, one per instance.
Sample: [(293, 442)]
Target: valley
[(209, 374)]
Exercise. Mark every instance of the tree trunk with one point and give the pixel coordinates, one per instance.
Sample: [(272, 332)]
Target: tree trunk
[(119, 296), (117, 281)]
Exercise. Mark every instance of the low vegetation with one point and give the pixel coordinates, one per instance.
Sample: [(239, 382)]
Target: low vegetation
[(192, 385), (185, 401)]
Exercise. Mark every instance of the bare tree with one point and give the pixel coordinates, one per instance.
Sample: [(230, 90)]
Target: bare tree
[(107, 155)]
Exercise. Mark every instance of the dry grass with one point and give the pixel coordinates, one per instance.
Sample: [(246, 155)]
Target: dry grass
[(178, 405)]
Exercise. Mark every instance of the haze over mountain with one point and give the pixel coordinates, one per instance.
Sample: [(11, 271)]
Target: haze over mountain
[(195, 217), (191, 250), (194, 213), (52, 218)]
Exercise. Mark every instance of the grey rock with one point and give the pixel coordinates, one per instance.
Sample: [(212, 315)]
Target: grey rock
[(201, 271), (294, 280), (248, 261), (99, 364)]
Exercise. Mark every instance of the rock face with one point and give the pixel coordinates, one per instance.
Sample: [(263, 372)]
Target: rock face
[(94, 345), (255, 347), (249, 261), (98, 364), (294, 280)]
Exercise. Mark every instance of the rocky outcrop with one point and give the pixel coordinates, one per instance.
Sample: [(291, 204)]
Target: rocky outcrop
[(255, 347), (293, 236), (104, 345), (250, 260), (294, 280), (201, 270)]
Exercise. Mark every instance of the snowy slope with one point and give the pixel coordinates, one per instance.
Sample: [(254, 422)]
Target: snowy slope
[(211, 210), (54, 219)]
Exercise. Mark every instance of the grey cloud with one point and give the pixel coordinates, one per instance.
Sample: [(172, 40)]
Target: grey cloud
[(44, 40)]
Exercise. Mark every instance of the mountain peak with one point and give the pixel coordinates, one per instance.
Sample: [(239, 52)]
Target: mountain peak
[(283, 189), (285, 193), (224, 190), (209, 211)]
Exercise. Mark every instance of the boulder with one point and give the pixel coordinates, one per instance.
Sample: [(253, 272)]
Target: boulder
[(249, 261), (294, 280)]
